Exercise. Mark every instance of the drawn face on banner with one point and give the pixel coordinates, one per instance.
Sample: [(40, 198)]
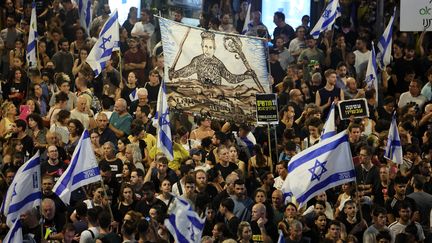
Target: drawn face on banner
[(208, 47)]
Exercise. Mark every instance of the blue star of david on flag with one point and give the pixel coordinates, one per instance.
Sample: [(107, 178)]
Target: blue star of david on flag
[(163, 119), (327, 19), (317, 166), (104, 41), (106, 44)]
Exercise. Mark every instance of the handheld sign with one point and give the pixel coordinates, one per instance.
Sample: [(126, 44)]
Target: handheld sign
[(357, 108), (267, 109)]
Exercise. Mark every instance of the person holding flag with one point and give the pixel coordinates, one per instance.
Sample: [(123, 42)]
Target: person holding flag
[(162, 123), (385, 44), (24, 192), (107, 43), (82, 170), (32, 39), (327, 19), (371, 78), (393, 150)]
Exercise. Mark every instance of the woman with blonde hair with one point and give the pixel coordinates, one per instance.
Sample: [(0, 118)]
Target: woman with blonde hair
[(244, 232), (9, 113)]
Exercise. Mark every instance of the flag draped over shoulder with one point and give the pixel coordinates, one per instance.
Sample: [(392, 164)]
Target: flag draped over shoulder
[(385, 43), (393, 149), (32, 39), (329, 128), (107, 43), (24, 192), (15, 233), (327, 19), (162, 123), (183, 223), (85, 14), (320, 167), (371, 78), (82, 170)]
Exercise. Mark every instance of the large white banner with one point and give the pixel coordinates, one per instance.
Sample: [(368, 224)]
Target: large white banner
[(213, 71), (416, 15)]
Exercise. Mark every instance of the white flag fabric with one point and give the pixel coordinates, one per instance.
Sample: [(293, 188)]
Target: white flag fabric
[(107, 43), (327, 19), (247, 19), (371, 78), (15, 233), (281, 238), (393, 149), (329, 128), (24, 193), (162, 122), (32, 39), (85, 14), (133, 95), (320, 167), (183, 223), (82, 170), (385, 44)]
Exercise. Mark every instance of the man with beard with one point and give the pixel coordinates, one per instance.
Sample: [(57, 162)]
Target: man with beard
[(202, 186), (242, 203)]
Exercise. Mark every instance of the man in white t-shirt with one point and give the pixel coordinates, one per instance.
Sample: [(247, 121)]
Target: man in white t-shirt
[(361, 56), (413, 96), (144, 29)]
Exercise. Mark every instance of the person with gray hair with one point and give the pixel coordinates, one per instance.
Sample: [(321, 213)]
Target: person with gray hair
[(109, 153), (31, 226), (262, 227), (120, 121), (52, 220), (142, 100)]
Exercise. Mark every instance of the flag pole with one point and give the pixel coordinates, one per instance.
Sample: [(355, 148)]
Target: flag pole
[(106, 196)]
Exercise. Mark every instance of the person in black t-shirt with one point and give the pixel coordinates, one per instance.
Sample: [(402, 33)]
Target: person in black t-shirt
[(224, 165), (53, 166)]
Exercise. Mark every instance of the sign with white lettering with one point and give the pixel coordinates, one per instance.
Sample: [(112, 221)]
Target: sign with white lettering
[(356, 108)]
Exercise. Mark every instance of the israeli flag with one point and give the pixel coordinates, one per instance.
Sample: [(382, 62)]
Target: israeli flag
[(329, 129), (247, 20), (32, 39), (327, 19), (385, 44), (107, 43), (82, 170), (281, 238), (85, 14), (320, 167), (371, 78), (393, 149), (133, 95), (162, 123), (24, 193), (15, 233), (184, 224), (286, 191)]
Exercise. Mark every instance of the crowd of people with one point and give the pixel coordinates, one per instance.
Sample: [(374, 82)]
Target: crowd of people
[(223, 169)]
